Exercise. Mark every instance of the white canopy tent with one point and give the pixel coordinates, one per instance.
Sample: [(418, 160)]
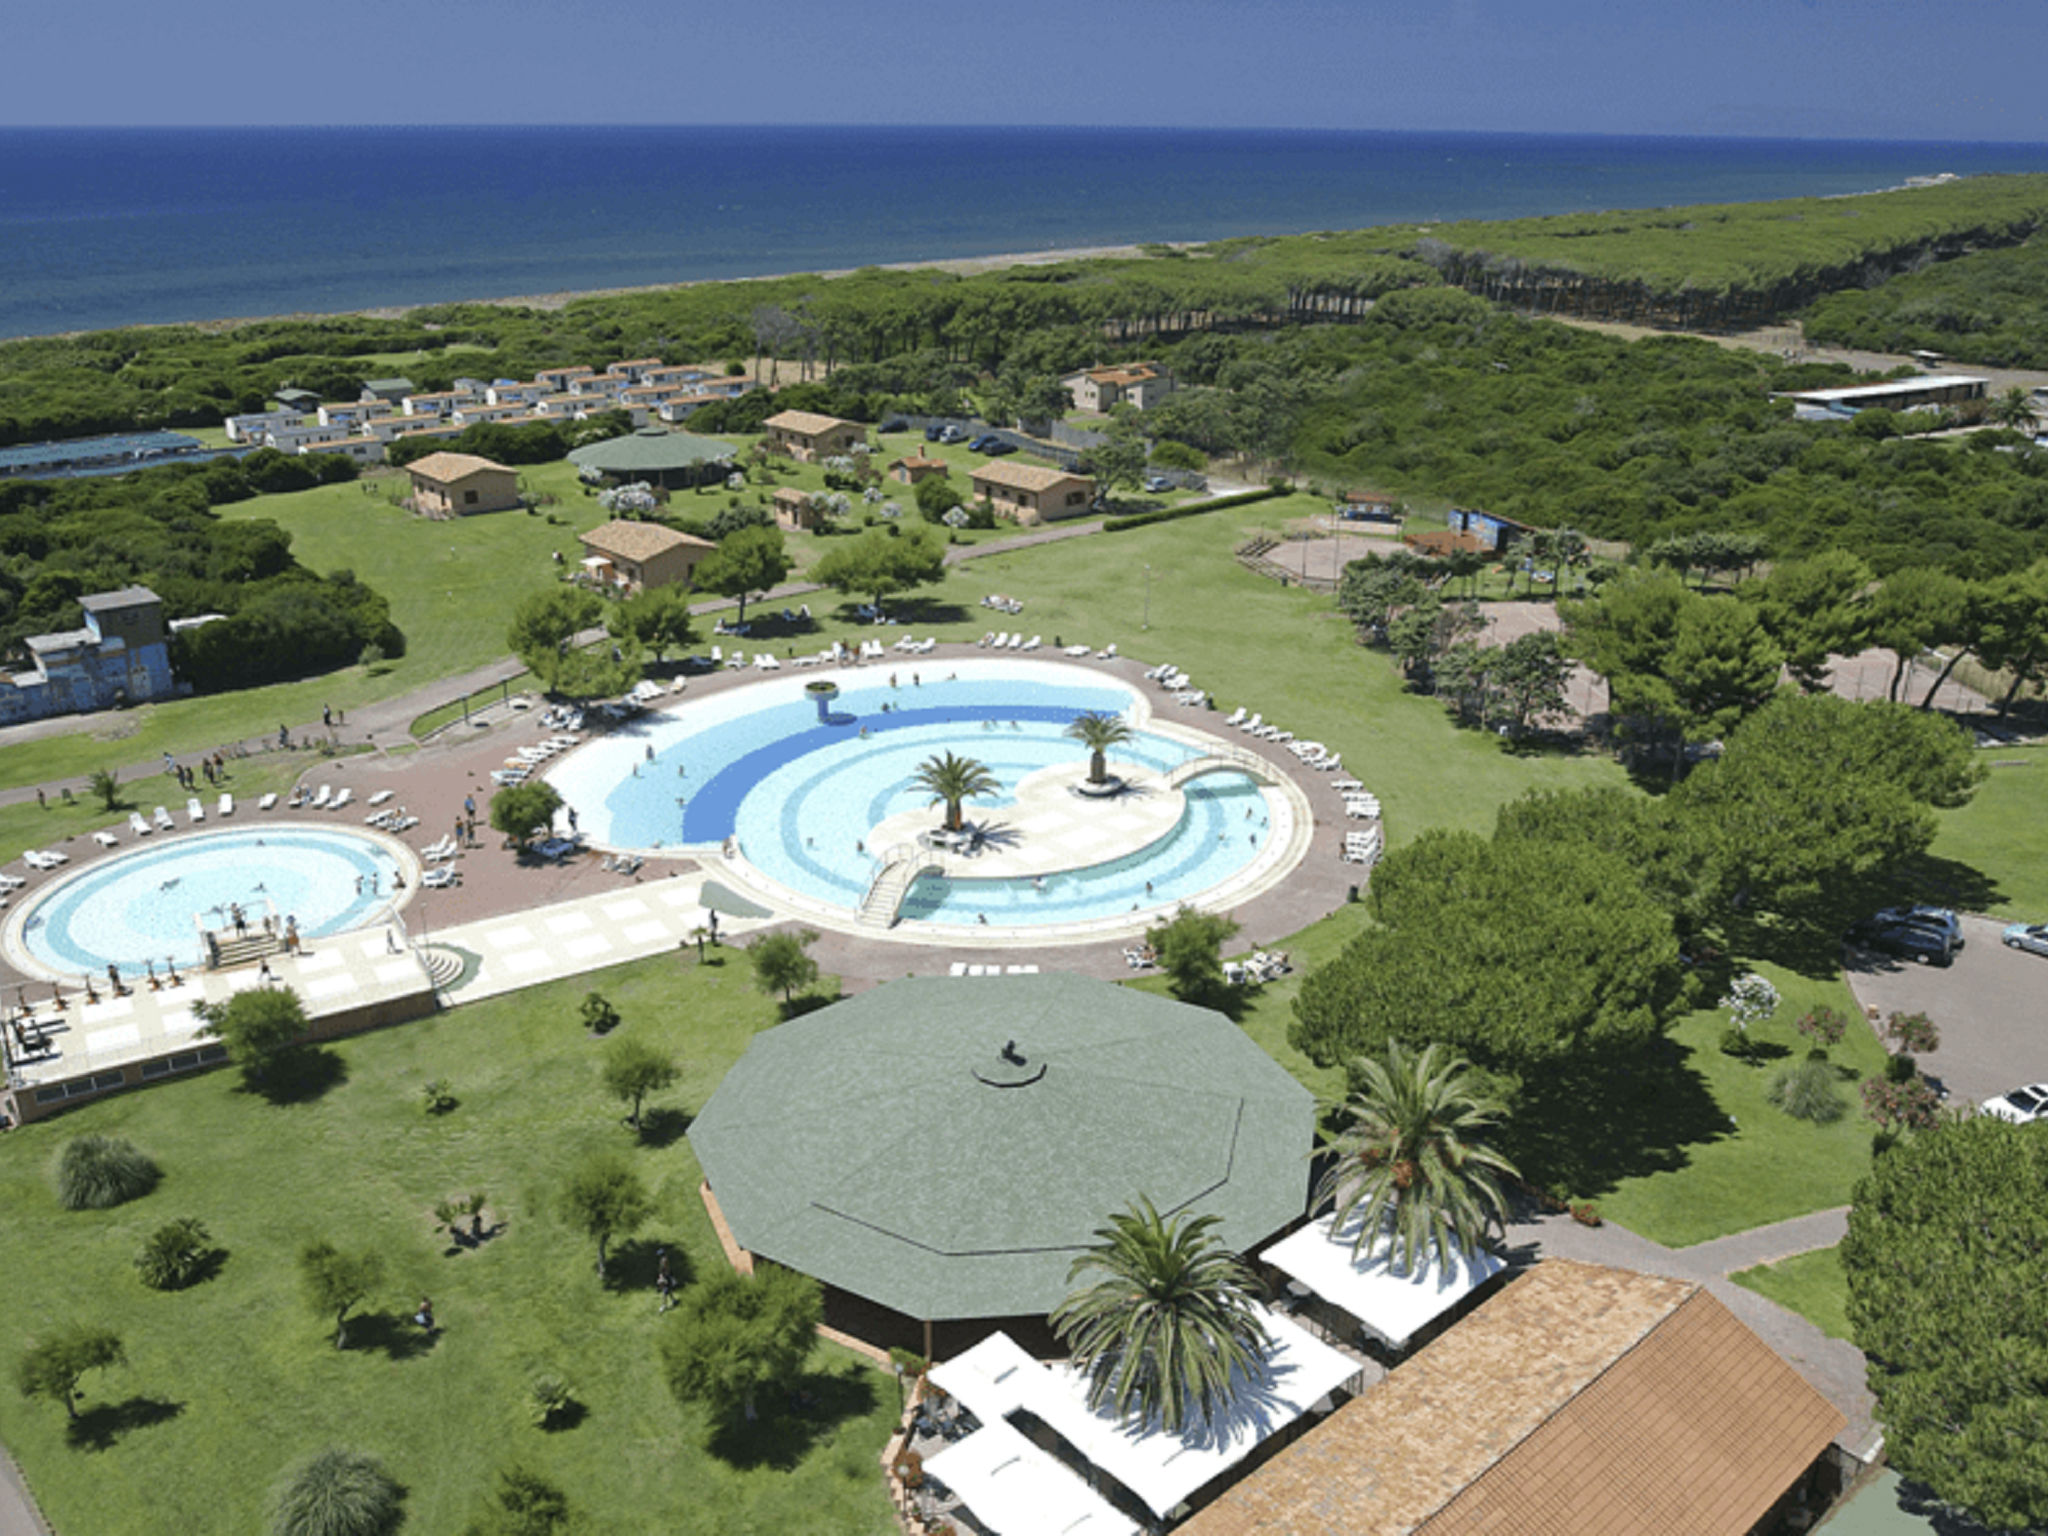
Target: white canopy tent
[(1015, 1489), (1394, 1304), (996, 1378)]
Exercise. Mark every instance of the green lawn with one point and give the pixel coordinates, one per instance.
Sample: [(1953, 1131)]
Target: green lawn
[(234, 1379), (2002, 833), (1811, 1284), (1730, 1159)]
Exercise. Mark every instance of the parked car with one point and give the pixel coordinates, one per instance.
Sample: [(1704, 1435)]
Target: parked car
[(894, 424), (2033, 939), (1941, 918), (951, 434), (931, 433), (997, 447), (1908, 940), (1157, 484), (2021, 1105)]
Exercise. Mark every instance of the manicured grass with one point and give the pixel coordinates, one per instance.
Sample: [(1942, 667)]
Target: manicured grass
[(2003, 834), (29, 825), (233, 1379), (1811, 1284), (1733, 1160)]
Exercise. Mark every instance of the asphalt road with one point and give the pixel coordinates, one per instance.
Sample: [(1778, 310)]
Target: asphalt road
[(1991, 1005)]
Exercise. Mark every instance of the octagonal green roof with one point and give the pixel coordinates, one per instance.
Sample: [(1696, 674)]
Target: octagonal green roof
[(947, 1147), (651, 451)]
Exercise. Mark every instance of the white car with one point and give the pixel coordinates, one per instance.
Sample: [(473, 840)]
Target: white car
[(2032, 937), (2021, 1105)]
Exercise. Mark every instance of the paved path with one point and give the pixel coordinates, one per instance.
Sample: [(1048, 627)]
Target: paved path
[(1831, 1367), (19, 1515)]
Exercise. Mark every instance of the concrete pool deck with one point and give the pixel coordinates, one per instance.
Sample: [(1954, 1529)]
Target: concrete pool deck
[(502, 889)]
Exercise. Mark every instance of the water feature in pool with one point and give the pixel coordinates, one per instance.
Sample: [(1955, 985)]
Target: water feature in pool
[(801, 797), (140, 906)]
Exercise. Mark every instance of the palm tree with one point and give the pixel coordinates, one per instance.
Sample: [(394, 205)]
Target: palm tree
[(1098, 733), (1168, 1325), (954, 779), (1411, 1165)]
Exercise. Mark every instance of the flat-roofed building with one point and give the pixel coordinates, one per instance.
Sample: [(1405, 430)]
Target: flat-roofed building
[(390, 391), (460, 484), (1579, 1399), (1033, 494), (1928, 392), (511, 393), (558, 379), (117, 656), (1142, 385), (255, 426), (307, 433), (636, 557), (632, 369), (807, 436), (367, 449)]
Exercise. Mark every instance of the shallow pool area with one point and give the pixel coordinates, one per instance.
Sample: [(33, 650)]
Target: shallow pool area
[(759, 774), (145, 906)]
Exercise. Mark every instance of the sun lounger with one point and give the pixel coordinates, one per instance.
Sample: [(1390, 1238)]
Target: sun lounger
[(959, 968), (137, 825), (1033, 643), (194, 811), (226, 807), (1344, 784), (440, 879), (322, 798), (36, 859), (11, 882), (105, 839), (1107, 653), (1077, 650), (163, 821), (1252, 725), (341, 798), (1237, 718), (380, 797)]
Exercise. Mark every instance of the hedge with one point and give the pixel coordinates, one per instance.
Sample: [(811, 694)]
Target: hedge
[(1191, 509)]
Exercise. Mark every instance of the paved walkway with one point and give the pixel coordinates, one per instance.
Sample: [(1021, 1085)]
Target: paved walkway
[(1831, 1367)]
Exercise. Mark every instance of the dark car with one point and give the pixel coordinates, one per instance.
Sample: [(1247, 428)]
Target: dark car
[(931, 433), (1942, 919), (894, 424), (1908, 940), (997, 448)]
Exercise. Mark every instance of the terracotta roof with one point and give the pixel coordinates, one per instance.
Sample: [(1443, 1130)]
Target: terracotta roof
[(809, 422), (1025, 477), (1124, 373), (1580, 1401), (1444, 542), (451, 467), (639, 541), (917, 461)]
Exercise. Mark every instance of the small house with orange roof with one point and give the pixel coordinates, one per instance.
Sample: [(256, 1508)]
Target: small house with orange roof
[(807, 436), (460, 484)]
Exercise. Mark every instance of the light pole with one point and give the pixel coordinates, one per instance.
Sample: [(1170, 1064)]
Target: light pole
[(1147, 623)]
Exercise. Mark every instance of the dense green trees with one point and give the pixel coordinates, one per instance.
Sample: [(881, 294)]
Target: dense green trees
[(264, 1030), (517, 809), (1988, 306), (882, 562), (656, 620), (1168, 1328), (1189, 947), (781, 962), (1943, 1259), (747, 563), (545, 626), (1513, 950)]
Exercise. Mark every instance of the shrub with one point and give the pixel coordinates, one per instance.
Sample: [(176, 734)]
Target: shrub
[(338, 1493), (1913, 1032), (438, 1097), (1807, 1092), (1191, 509), (1901, 1068), (1736, 1042), (1586, 1214), (1907, 1106), (549, 1398), (174, 1254), (95, 1172), (1824, 1027)]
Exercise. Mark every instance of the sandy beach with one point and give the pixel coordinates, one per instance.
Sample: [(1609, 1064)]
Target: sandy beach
[(966, 266)]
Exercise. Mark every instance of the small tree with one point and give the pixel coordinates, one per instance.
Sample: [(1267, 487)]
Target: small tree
[(518, 808), (334, 1282), (603, 1199), (263, 1029), (656, 619), (1190, 950), (1911, 1105), (781, 964), (737, 1335), (746, 564), (599, 1016), (632, 1070), (1098, 733), (106, 784), (1913, 1033), (174, 1254), (51, 1369), (1751, 1000), (94, 1173), (1824, 1027), (1807, 1091), (337, 1493), (524, 1504)]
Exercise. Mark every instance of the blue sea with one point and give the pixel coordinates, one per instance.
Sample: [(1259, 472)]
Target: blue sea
[(107, 227)]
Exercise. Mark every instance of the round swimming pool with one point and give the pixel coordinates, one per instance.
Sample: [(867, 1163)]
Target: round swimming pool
[(814, 800), (145, 905)]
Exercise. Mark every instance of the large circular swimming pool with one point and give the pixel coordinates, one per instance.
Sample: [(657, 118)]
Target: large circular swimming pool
[(145, 905), (802, 797)]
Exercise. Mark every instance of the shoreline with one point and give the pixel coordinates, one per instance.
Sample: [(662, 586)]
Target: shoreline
[(965, 266)]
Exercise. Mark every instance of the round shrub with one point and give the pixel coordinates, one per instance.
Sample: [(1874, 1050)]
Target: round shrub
[(174, 1254), (94, 1172), (338, 1493), (1808, 1092)]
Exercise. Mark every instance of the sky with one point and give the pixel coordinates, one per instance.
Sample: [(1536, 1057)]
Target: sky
[(1854, 69)]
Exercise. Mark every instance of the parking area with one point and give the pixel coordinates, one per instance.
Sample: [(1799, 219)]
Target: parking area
[(1991, 1005)]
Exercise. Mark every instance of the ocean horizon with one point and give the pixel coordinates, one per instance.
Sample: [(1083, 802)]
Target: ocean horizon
[(101, 228)]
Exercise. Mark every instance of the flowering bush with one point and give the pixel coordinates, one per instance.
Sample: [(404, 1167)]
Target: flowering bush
[(1751, 1000), (1911, 1106), (1914, 1033), (635, 500), (1824, 1027)]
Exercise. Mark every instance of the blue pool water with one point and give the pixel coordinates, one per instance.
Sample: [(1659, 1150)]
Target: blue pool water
[(140, 906), (801, 797)]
